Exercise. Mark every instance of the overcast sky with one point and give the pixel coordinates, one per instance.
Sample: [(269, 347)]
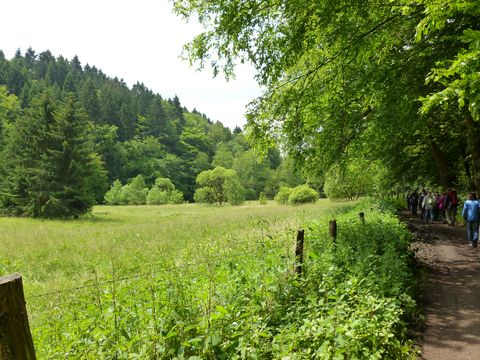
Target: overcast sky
[(137, 40)]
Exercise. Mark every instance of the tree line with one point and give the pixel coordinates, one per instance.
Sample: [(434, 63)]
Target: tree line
[(68, 132)]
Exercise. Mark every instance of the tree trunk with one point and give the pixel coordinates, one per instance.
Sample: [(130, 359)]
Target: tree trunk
[(473, 142), (470, 174), (442, 165)]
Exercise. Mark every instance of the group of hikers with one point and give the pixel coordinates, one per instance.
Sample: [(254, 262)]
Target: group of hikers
[(433, 206)]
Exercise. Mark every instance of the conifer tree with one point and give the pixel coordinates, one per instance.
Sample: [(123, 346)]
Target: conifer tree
[(25, 140), (48, 166), (68, 166)]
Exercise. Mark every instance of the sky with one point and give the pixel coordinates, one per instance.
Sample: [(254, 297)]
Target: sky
[(137, 40)]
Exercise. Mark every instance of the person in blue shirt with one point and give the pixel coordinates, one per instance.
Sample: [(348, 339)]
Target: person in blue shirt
[(471, 214)]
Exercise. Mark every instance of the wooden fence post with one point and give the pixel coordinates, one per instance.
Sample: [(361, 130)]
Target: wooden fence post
[(15, 338), (332, 229), (361, 216), (299, 251)]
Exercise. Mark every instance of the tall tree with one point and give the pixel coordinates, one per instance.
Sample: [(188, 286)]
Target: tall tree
[(334, 69), (26, 141), (48, 165)]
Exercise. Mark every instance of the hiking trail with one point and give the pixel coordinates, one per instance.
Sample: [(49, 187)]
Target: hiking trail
[(452, 290)]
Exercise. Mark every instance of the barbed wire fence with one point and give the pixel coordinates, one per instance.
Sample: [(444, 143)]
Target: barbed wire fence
[(293, 265)]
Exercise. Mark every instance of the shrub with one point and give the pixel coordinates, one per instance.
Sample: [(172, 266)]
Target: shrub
[(357, 178), (204, 195), (114, 195), (176, 197), (262, 199), (164, 184), (234, 190), (302, 194), (283, 195), (135, 192), (219, 186), (164, 192), (156, 196)]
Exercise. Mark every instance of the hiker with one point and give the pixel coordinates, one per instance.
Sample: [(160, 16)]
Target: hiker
[(414, 202), (436, 209), (450, 204), (471, 214), (441, 208), (429, 203), (421, 196)]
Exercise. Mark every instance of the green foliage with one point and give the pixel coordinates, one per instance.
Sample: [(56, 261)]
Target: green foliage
[(114, 195), (457, 75), (302, 194), (283, 195), (135, 131), (164, 192), (135, 192), (204, 195), (262, 199), (356, 178), (348, 303), (98, 183), (156, 196), (176, 197), (398, 82), (223, 156), (219, 186), (253, 173), (234, 190), (164, 184), (49, 168)]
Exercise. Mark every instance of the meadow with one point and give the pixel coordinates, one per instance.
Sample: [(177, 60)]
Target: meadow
[(53, 255), (205, 282)]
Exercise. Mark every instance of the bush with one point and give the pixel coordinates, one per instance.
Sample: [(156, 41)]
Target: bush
[(176, 197), (114, 195), (135, 192), (262, 199), (283, 195), (164, 192), (302, 194), (164, 184), (234, 191), (204, 195), (156, 196), (219, 186)]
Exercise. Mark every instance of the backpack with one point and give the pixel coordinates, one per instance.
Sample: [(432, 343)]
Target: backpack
[(453, 199)]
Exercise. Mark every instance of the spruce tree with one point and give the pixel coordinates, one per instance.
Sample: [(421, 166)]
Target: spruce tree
[(25, 140), (67, 168), (48, 166)]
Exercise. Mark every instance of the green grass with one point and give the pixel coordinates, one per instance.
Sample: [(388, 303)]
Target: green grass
[(203, 282), (54, 255)]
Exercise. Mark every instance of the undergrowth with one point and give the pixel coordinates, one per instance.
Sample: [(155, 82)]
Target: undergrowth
[(354, 300)]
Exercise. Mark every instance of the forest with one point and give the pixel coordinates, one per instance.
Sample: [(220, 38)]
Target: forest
[(69, 132), (388, 102)]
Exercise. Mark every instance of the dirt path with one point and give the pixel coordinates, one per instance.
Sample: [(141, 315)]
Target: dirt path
[(452, 293)]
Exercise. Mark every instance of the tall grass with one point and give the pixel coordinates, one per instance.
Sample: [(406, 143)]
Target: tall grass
[(57, 254), (193, 282)]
